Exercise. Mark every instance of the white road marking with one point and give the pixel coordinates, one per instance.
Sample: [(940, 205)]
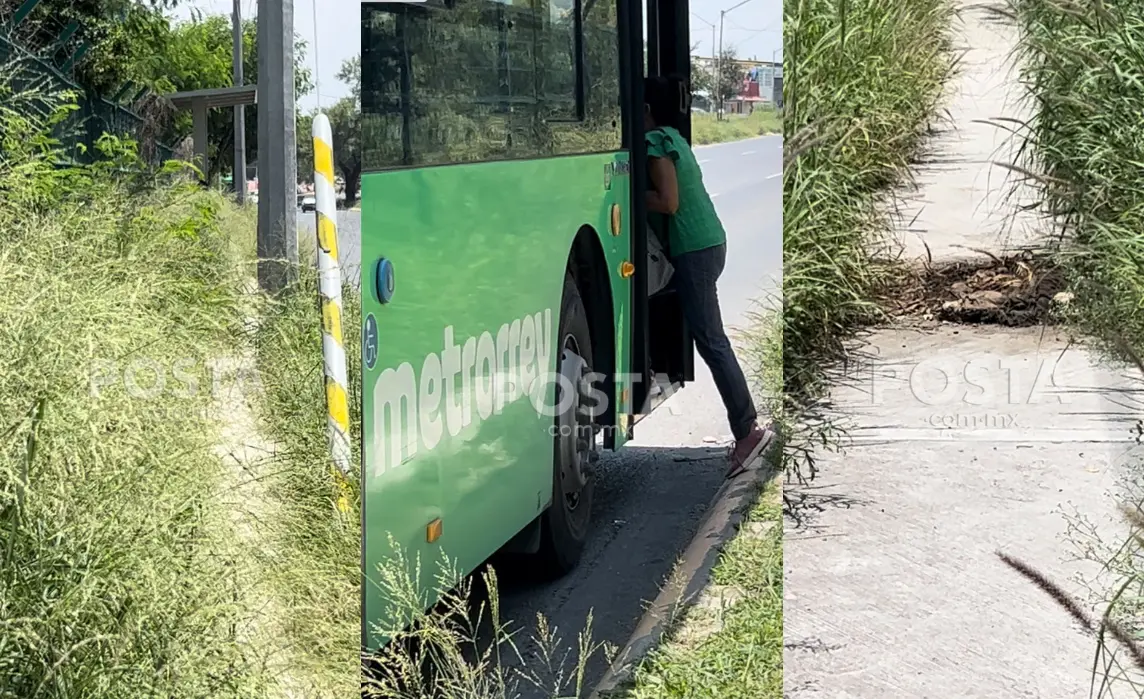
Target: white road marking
[(771, 177), (705, 160), (748, 152), (714, 195)]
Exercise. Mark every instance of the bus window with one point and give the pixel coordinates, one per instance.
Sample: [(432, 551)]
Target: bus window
[(478, 80)]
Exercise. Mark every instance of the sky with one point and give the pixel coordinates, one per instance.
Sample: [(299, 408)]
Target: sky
[(754, 29)]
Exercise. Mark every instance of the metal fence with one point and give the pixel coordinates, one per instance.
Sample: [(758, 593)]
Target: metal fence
[(29, 74)]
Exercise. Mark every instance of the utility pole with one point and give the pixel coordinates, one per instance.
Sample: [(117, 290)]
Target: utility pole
[(719, 70), (277, 147), (714, 89), (239, 112)]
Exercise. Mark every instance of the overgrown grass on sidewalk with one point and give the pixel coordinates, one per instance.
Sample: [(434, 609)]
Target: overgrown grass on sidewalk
[(1080, 63), (119, 577), (706, 129), (863, 81), (1086, 146)]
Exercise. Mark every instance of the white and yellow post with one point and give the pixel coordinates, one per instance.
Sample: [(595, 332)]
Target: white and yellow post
[(330, 292)]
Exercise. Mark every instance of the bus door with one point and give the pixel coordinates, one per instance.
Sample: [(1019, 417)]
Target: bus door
[(662, 337)]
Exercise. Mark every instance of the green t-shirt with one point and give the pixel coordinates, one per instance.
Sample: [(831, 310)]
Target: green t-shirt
[(695, 225)]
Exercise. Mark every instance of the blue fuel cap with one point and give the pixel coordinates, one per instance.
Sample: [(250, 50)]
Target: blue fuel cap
[(383, 280)]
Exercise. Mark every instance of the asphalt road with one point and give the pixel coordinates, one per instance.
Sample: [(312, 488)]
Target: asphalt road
[(651, 495)]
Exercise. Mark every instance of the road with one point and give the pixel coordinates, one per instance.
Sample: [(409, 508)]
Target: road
[(651, 495)]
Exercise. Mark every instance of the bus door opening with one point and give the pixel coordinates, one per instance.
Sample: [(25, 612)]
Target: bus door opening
[(669, 342)]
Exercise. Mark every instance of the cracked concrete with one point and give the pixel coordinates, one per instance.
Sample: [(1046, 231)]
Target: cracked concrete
[(963, 441)]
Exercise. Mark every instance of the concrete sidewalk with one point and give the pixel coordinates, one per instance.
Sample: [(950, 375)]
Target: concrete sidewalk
[(965, 440)]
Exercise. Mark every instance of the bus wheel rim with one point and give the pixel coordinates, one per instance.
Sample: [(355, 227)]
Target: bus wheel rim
[(571, 422)]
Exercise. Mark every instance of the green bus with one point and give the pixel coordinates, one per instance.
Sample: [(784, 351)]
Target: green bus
[(508, 335)]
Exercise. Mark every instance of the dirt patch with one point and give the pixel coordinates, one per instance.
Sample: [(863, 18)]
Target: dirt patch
[(1015, 290)]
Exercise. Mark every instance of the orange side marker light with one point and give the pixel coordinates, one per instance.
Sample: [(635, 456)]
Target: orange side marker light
[(433, 531)]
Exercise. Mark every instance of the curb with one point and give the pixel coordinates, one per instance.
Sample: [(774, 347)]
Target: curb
[(691, 576)]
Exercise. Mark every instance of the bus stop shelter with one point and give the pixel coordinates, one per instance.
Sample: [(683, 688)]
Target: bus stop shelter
[(200, 102)]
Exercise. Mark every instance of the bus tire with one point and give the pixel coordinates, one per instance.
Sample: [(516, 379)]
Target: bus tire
[(564, 525)]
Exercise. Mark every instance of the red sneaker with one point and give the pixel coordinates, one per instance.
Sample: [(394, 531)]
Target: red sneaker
[(747, 449)]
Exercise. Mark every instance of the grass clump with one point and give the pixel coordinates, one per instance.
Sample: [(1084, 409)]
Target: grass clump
[(706, 129), (1080, 63), (863, 81), (462, 647), (118, 572)]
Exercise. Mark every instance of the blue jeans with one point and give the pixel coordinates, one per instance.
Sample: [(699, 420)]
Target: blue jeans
[(696, 274)]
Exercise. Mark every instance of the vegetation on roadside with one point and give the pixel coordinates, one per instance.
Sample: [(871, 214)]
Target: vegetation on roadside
[(120, 572), (316, 570), (706, 129), (863, 79), (1084, 144)]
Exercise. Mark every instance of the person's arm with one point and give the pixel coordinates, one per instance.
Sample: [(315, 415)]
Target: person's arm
[(664, 198)]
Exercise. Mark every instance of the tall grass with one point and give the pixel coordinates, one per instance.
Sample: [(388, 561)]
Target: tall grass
[(119, 576), (1082, 66), (863, 81)]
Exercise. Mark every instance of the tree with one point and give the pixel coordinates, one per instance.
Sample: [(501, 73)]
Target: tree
[(731, 76), (350, 74), (119, 33), (345, 123), (304, 129), (132, 40), (702, 76)]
